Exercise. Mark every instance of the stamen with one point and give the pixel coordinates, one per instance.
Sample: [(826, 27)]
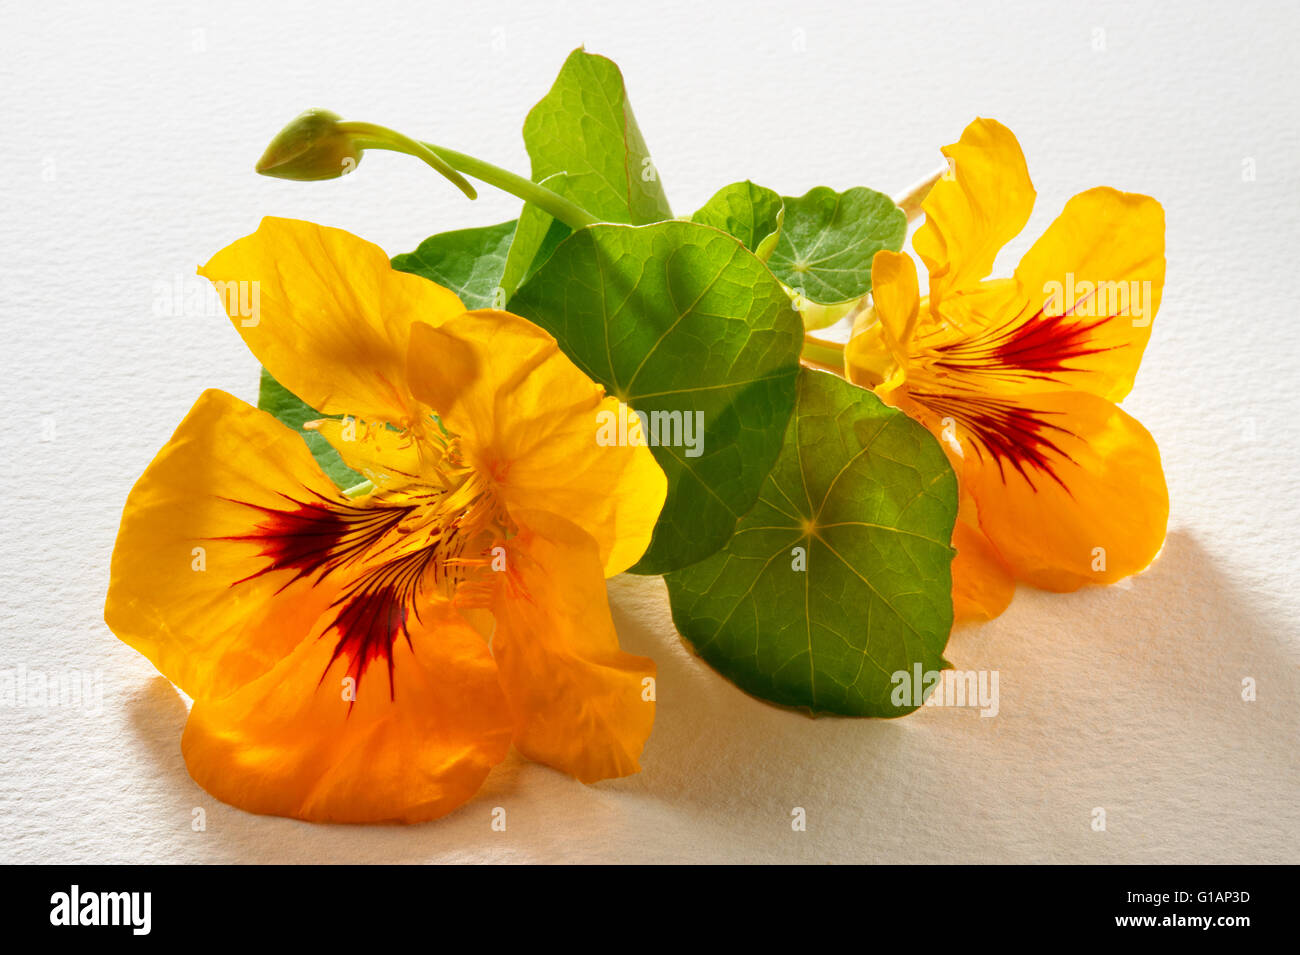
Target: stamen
[(403, 545)]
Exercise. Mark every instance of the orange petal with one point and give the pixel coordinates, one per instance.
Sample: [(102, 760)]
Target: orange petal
[(581, 704), (1070, 488), (179, 554), (973, 212), (327, 315), (292, 743), (982, 586), (1092, 285), (528, 416)]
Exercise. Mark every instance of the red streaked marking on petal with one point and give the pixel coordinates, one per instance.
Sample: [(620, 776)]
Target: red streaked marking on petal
[(318, 536), (1011, 435), (315, 538), (1039, 346), (375, 611)]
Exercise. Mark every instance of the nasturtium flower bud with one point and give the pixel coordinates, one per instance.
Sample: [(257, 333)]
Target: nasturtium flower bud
[(311, 147)]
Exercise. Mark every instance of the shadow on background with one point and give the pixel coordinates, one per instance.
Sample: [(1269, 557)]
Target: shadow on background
[(1126, 698)]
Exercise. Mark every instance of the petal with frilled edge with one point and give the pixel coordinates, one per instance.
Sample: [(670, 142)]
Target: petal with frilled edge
[(1091, 287), (188, 584), (300, 741), (327, 315), (1071, 492), (581, 704), (974, 211), (529, 417), (982, 586)]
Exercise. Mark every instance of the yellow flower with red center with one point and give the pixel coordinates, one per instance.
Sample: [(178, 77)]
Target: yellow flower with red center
[(370, 656), (1019, 377)]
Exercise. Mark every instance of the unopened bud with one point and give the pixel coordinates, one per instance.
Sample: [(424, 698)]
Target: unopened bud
[(311, 147)]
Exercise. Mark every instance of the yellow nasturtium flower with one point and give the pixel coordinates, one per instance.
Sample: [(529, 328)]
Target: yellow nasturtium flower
[(1019, 377), (371, 657)]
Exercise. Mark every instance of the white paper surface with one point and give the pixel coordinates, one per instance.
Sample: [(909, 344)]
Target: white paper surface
[(129, 137)]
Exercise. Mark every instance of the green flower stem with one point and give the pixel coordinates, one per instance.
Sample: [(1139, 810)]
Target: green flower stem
[(370, 136), (451, 164), (571, 214), (825, 354)]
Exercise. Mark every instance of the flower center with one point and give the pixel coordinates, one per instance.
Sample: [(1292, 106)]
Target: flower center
[(392, 551)]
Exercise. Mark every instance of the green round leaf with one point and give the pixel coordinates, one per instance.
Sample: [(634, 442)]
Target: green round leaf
[(840, 577), (829, 238), (753, 214), (290, 410), (681, 322)]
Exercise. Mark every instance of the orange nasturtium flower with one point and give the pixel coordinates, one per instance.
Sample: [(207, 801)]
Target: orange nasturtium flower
[(1018, 377), (371, 657)]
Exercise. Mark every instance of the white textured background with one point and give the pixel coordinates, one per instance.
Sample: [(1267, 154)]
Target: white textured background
[(127, 139)]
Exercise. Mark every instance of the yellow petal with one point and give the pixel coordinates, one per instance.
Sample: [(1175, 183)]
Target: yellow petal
[(994, 339), (1070, 489), (327, 315), (877, 352), (383, 455), (527, 416), (1092, 285), (179, 550), (972, 213), (292, 743), (581, 704)]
